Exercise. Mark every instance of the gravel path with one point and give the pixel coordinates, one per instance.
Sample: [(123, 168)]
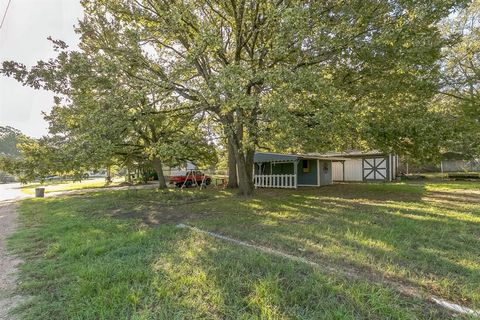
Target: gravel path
[(8, 263)]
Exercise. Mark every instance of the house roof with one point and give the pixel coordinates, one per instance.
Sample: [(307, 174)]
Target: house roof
[(349, 153), (279, 157)]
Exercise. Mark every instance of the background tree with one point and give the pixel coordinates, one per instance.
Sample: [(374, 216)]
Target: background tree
[(460, 93), (40, 158), (9, 137), (8, 141), (105, 117)]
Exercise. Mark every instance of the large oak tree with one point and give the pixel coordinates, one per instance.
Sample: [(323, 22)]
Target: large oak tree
[(286, 73), (245, 61)]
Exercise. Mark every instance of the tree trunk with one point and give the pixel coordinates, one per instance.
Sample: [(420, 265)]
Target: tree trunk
[(108, 179), (157, 165), (232, 166), (245, 168), (129, 175), (243, 155)]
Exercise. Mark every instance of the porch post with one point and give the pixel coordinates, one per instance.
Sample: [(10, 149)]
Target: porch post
[(318, 173), (295, 169)]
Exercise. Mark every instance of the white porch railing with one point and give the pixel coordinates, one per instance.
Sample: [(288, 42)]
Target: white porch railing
[(275, 180)]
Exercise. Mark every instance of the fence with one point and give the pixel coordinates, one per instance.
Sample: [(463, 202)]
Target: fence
[(275, 181), (461, 165)]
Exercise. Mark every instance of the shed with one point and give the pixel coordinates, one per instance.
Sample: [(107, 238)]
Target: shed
[(374, 166), (275, 170)]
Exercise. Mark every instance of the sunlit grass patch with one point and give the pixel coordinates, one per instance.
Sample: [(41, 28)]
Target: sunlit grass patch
[(58, 186)]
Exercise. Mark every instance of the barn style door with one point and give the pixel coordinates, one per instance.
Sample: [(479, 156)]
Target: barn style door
[(375, 169)]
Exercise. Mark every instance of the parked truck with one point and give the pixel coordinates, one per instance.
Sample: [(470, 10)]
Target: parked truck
[(191, 178)]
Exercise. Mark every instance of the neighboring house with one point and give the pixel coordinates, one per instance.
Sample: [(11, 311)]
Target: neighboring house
[(455, 162), (101, 173), (180, 170), (274, 170)]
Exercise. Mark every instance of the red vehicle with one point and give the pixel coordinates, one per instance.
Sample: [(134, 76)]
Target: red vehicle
[(190, 178)]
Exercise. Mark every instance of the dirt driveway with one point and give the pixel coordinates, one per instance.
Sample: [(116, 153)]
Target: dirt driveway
[(8, 263)]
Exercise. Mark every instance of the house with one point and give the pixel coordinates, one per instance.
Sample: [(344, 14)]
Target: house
[(180, 170), (455, 162), (275, 170)]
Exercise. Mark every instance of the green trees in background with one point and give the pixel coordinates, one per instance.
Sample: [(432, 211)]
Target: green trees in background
[(8, 141), (9, 138), (30, 159), (102, 118), (460, 92)]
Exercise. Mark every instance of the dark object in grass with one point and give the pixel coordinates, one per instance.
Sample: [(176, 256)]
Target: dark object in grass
[(464, 176), (39, 192)]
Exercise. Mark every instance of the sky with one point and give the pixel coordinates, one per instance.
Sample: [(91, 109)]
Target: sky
[(23, 38)]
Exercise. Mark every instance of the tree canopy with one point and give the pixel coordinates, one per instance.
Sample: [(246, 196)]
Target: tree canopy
[(280, 75), (8, 141)]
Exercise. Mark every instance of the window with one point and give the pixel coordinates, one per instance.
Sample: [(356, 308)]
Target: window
[(306, 165)]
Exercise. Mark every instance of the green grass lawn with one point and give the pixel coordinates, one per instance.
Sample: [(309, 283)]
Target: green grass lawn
[(115, 255), (57, 186), (445, 175)]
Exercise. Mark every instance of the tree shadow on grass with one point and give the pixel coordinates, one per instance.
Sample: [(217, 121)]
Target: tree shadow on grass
[(344, 225), (229, 281), (435, 244)]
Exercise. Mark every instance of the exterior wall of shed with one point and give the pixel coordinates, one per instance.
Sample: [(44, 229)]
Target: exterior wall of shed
[(282, 168), (307, 178), (353, 170)]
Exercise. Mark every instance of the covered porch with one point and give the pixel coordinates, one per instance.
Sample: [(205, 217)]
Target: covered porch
[(273, 170)]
